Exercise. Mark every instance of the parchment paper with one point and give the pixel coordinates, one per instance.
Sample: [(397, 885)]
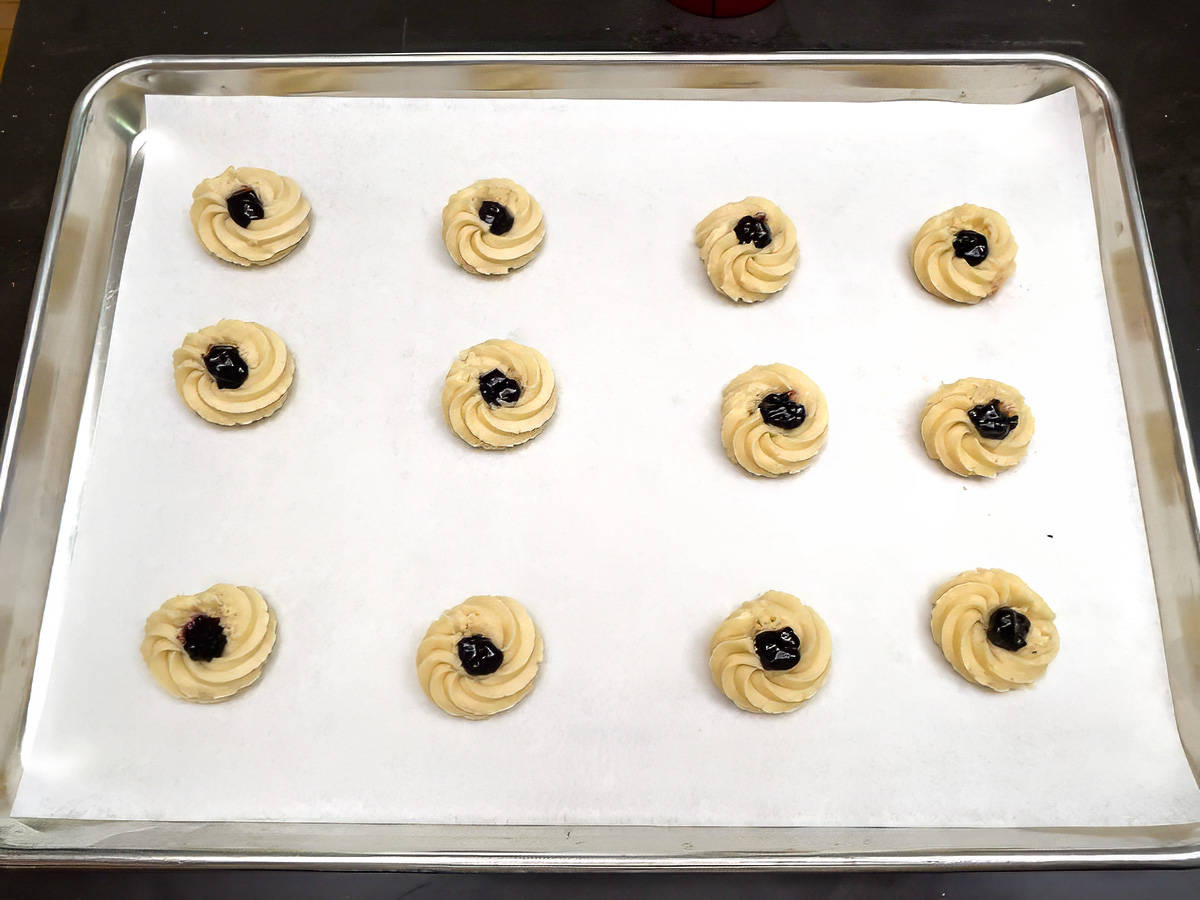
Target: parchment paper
[(623, 527)]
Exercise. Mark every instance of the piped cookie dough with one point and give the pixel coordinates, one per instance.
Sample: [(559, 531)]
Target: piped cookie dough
[(249, 216), (499, 394), (749, 249), (771, 655), (234, 372), (493, 227), (976, 426), (993, 629), (774, 420), (964, 254), (480, 658), (206, 647)]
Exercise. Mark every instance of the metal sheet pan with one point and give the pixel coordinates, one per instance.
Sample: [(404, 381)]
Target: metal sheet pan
[(54, 404)]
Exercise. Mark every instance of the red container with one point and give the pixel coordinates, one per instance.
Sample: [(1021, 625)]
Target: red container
[(722, 8)]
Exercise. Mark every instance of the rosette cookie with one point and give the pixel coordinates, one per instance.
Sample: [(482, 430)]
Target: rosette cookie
[(499, 394), (233, 373), (493, 227), (774, 420), (976, 426), (771, 654), (208, 646), (249, 217), (749, 249), (994, 630), (964, 254), (480, 657)]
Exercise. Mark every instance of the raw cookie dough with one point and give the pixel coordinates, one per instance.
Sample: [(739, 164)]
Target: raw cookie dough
[(771, 654), (976, 426), (493, 227), (274, 219), (774, 420), (964, 254), (480, 657), (233, 373), (208, 646), (994, 630), (749, 249), (499, 394)]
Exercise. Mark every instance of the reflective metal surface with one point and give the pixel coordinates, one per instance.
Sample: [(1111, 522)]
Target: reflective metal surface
[(55, 400)]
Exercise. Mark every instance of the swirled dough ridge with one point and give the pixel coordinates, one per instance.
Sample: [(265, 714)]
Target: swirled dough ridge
[(499, 427), (743, 271), (263, 241), (272, 370), (737, 670), (471, 242), (945, 275), (250, 636), (962, 608), (507, 624), (951, 438), (769, 450)]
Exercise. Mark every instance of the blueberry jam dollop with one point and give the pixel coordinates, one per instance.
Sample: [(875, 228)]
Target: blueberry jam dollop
[(479, 656), (753, 230), (226, 366), (496, 217), (1007, 629), (203, 638), (781, 410), (779, 650), (498, 389), (971, 246), (244, 207), (990, 420)]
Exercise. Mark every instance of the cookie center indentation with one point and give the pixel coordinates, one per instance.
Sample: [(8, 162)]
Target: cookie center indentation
[(779, 650), (479, 656), (244, 207), (753, 230), (971, 246), (203, 638), (496, 217), (782, 410)]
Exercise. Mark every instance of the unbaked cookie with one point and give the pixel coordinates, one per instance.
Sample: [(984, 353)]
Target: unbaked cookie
[(976, 426), (749, 249), (208, 646), (964, 254), (493, 227), (480, 657), (993, 628), (499, 394), (233, 373), (771, 654), (774, 420), (250, 217)]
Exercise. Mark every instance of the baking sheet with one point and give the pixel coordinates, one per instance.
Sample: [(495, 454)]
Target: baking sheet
[(623, 528)]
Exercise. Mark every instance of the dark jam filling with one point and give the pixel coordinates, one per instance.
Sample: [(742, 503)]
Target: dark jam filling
[(226, 366), (782, 411), (479, 656), (753, 230), (1007, 629), (244, 207), (203, 638), (971, 246), (779, 650), (496, 217), (990, 420), (498, 389)]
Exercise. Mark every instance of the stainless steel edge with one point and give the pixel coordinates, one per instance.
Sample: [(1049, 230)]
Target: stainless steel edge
[(464, 848)]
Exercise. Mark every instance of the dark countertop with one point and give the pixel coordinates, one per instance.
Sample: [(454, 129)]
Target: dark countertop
[(1146, 49)]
